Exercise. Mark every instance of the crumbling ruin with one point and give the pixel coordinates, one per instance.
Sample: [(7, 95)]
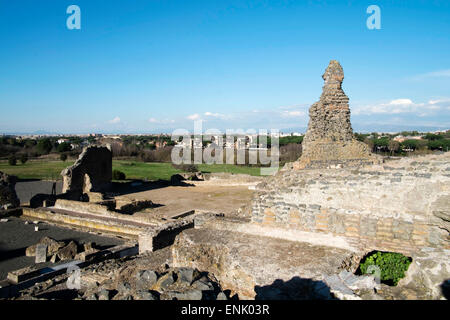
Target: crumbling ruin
[(329, 140), (313, 225), (92, 172), (8, 196), (302, 236)]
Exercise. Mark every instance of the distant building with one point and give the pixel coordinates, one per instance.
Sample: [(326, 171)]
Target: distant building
[(401, 138)]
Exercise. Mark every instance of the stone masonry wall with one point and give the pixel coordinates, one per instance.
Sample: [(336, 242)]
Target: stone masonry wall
[(330, 135), (399, 206), (92, 172)]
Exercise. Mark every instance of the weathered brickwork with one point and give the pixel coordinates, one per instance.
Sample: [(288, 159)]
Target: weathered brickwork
[(92, 172), (329, 140), (397, 206)]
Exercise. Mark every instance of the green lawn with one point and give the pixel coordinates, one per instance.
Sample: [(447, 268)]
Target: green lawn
[(51, 170)]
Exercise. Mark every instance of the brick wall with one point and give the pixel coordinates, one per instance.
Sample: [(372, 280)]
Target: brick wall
[(386, 207)]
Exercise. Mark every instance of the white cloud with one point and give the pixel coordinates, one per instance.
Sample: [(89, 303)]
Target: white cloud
[(217, 115), (161, 121), (402, 106), (115, 120), (194, 116), (435, 74), (210, 114), (294, 113), (400, 102)]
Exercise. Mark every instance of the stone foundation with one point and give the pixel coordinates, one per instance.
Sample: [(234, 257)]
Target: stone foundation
[(400, 206)]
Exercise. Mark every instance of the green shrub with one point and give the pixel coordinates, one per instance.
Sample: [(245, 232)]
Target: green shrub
[(186, 167), (63, 157), (44, 146), (64, 147), (392, 266), (118, 175), (23, 158), (12, 160)]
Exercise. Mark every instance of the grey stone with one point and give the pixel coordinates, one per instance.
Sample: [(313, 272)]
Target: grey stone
[(203, 285), (124, 287), (187, 295), (145, 295), (221, 296), (166, 281), (146, 279), (103, 294), (68, 252), (92, 297), (41, 253), (186, 275)]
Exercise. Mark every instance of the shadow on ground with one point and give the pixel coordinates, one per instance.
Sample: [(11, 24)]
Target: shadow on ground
[(295, 289), (445, 289), (124, 188)]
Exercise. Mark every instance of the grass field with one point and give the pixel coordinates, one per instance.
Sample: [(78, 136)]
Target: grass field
[(51, 170)]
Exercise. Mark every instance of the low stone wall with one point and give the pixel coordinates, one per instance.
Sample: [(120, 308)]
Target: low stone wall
[(399, 206)]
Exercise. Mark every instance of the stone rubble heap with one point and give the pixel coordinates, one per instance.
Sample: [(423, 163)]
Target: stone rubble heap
[(173, 284), (61, 251)]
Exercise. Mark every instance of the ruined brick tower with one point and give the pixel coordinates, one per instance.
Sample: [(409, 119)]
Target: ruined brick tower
[(329, 140)]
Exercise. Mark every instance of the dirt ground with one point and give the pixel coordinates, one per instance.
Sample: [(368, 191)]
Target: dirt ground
[(175, 200)]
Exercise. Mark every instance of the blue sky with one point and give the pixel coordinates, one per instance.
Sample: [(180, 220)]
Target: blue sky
[(151, 66)]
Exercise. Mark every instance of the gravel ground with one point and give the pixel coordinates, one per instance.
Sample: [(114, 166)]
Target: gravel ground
[(16, 236), (27, 189)]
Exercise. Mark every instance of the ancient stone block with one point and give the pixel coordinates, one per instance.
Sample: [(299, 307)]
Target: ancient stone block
[(146, 241), (41, 253)]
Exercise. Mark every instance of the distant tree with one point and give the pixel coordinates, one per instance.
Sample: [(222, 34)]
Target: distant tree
[(414, 144), (23, 158), (369, 142), (171, 143), (283, 141), (432, 136), (441, 144), (381, 144), (393, 146), (64, 147), (63, 157), (12, 160), (44, 146), (29, 143)]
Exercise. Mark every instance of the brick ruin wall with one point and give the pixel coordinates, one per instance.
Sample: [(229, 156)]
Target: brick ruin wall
[(329, 137), (92, 172), (400, 206)]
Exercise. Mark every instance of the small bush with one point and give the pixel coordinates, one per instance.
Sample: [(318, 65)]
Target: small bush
[(186, 167), (12, 160), (23, 158), (118, 175), (63, 157), (392, 266)]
